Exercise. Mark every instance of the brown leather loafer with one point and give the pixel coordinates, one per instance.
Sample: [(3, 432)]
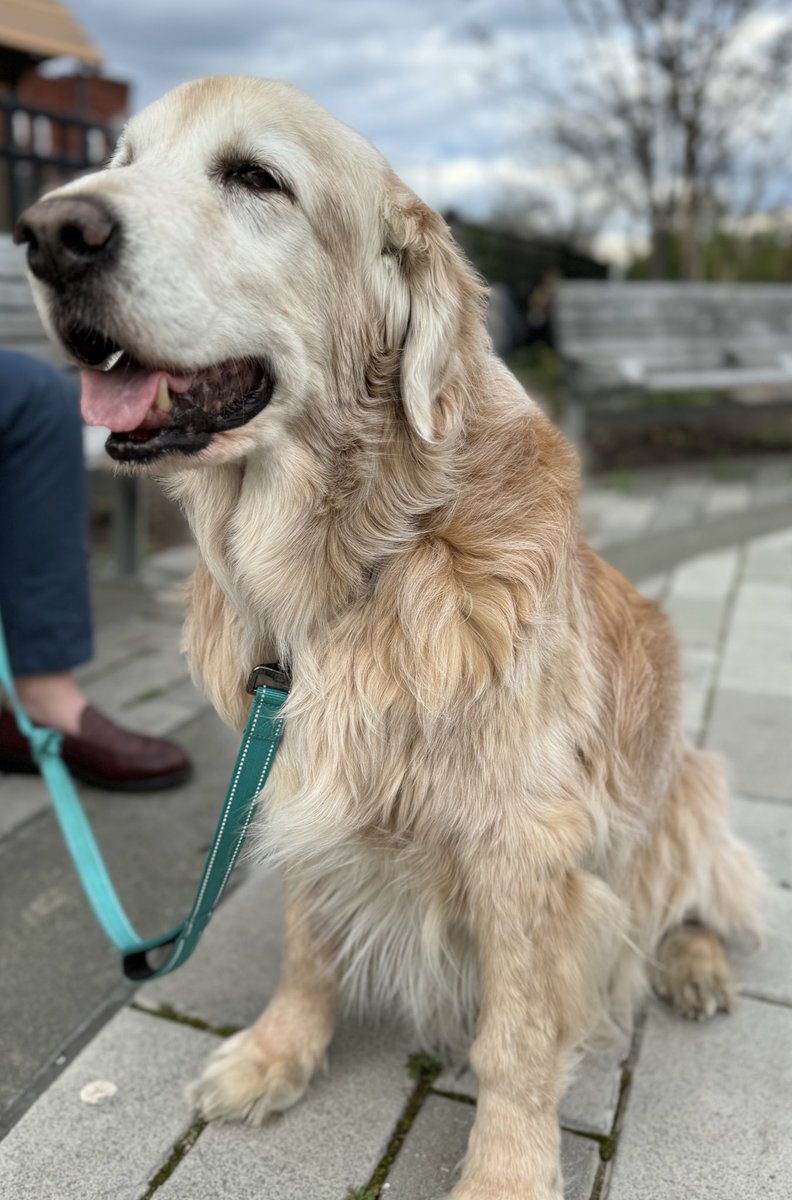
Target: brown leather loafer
[(102, 754)]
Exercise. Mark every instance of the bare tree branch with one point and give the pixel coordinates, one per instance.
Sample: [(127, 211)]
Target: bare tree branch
[(667, 112)]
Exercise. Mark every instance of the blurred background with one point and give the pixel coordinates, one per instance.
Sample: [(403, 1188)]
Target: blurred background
[(605, 141)]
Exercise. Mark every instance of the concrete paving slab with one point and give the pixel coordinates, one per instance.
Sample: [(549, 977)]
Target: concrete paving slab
[(628, 515), (186, 694), (617, 534), (710, 1109), (589, 1104), (773, 473), (661, 551), (655, 586), (753, 732), (108, 1124), (758, 661), (685, 493), (696, 620), (771, 495), (57, 966), (672, 515), (636, 513), (767, 972), (21, 797), (767, 826), (176, 562), (758, 652), (763, 602), (698, 667), (706, 577), (590, 1101), (330, 1143), (770, 558), (725, 498), (429, 1161), (122, 636), (235, 969), (148, 675), (161, 716)]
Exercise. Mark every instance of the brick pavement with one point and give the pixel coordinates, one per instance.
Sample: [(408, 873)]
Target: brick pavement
[(693, 1111)]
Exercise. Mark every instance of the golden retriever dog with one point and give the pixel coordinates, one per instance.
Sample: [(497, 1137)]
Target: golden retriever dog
[(485, 808)]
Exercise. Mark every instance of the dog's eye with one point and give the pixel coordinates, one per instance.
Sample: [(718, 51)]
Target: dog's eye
[(255, 178)]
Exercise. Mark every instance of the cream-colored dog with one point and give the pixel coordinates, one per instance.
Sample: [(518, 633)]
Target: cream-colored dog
[(485, 807)]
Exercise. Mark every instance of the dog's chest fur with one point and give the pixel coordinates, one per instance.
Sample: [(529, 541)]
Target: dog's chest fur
[(401, 761)]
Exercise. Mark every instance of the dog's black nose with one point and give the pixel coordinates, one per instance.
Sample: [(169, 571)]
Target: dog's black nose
[(67, 237)]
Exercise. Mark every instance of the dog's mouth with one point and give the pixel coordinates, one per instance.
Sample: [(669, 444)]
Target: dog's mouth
[(152, 410)]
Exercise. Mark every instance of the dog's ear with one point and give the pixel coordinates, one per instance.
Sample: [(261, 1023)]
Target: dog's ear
[(429, 288)]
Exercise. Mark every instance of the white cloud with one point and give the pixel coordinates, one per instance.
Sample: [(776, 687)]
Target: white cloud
[(470, 182), (440, 86), (418, 77)]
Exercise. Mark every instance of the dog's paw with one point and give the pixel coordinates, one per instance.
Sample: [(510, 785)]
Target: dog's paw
[(483, 1191), (699, 995), (488, 1188), (692, 973), (248, 1080)]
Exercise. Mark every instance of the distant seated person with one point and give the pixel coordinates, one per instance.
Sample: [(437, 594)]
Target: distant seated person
[(44, 589)]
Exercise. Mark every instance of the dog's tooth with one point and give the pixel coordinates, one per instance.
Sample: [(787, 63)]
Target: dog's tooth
[(110, 361), (163, 400)]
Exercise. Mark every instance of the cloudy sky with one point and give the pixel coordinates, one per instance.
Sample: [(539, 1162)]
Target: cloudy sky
[(426, 80), (442, 87)]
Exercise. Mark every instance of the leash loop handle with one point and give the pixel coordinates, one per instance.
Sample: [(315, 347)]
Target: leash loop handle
[(150, 958)]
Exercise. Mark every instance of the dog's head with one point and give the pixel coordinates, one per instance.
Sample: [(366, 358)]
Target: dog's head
[(238, 266)]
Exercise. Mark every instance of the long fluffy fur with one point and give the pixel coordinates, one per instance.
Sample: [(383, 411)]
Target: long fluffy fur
[(467, 673), (484, 795)]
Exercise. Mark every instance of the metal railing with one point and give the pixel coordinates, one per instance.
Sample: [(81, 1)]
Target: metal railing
[(40, 149)]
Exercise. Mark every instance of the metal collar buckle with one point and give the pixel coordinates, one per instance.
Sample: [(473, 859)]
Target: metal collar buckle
[(269, 675)]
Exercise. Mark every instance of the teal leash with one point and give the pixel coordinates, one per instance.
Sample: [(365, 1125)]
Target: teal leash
[(152, 957)]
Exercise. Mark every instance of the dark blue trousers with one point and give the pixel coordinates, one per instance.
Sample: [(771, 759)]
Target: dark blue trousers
[(44, 591)]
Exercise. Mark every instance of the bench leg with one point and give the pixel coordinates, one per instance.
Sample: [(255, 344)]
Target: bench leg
[(573, 422), (129, 526)]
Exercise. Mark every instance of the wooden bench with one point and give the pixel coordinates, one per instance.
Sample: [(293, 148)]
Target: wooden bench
[(21, 329), (636, 339)]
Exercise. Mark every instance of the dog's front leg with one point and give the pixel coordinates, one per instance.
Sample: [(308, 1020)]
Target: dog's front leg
[(266, 1068), (532, 985)]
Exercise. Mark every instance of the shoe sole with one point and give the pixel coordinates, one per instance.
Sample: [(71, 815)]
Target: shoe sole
[(157, 783)]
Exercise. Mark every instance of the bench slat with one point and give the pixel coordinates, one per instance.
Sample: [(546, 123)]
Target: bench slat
[(672, 337), (711, 381)]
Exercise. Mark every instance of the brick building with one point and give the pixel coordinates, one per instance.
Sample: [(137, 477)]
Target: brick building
[(52, 127)]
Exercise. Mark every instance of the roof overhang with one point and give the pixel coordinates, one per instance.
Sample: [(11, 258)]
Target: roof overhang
[(43, 29)]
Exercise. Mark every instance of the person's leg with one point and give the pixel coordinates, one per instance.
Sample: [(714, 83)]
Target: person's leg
[(44, 596), (44, 587)]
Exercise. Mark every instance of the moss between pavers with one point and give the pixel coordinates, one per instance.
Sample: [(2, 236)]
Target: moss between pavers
[(166, 1013), (609, 1144), (152, 694), (422, 1067), (606, 1142), (424, 1070), (174, 1158)]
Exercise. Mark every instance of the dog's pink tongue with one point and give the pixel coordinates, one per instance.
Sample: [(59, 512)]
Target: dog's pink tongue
[(122, 399), (119, 401)]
